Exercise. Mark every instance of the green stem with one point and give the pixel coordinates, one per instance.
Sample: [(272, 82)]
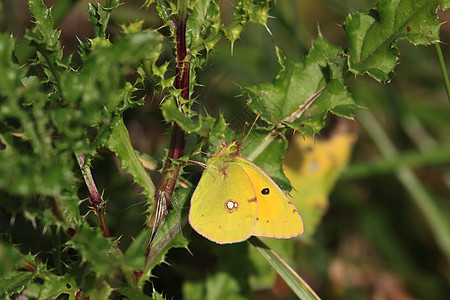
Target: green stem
[(443, 70), (415, 159), (182, 9), (295, 282), (433, 215)]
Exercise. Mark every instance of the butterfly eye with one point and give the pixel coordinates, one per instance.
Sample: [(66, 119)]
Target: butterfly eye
[(265, 191)]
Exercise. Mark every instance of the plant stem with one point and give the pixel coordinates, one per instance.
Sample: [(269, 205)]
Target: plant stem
[(443, 70), (438, 156), (171, 170), (432, 214), (292, 279), (98, 204)]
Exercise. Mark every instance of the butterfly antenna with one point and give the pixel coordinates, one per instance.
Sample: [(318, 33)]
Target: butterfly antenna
[(198, 163), (224, 144), (248, 133), (243, 133)]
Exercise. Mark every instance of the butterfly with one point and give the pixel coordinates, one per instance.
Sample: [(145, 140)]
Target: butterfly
[(236, 199)]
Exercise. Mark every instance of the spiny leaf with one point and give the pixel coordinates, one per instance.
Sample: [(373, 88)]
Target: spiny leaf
[(16, 281), (246, 11), (100, 290), (55, 286), (33, 161), (99, 16), (46, 40), (334, 98), (132, 293), (100, 85), (373, 35), (203, 22), (169, 236), (43, 20), (119, 142), (95, 249), (203, 126), (256, 11), (10, 259), (302, 94)]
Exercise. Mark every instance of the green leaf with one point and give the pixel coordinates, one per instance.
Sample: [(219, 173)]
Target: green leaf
[(220, 285), (95, 249), (55, 286), (132, 293), (230, 279), (11, 73), (99, 89), (256, 11), (134, 257), (171, 112), (16, 281), (444, 4), (100, 290), (302, 94), (46, 40), (10, 259), (34, 161), (203, 126), (373, 35), (246, 11), (267, 151), (101, 81), (335, 98), (203, 22), (119, 142), (43, 20), (99, 16), (169, 236)]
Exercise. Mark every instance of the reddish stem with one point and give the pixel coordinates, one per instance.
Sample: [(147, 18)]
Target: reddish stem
[(182, 79), (96, 200), (171, 171)]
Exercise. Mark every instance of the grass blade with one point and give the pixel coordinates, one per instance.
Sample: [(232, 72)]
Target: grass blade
[(295, 282)]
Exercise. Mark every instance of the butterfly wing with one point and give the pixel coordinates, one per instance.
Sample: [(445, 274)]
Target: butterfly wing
[(223, 206), (276, 216)]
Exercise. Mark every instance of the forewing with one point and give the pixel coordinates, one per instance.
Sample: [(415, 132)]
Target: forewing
[(276, 216), (223, 206)]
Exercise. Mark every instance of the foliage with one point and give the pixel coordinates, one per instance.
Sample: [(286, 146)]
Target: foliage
[(57, 108)]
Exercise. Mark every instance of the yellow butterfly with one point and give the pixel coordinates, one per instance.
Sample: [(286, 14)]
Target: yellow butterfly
[(236, 199)]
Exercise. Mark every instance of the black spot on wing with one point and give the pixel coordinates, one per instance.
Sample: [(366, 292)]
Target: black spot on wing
[(265, 191)]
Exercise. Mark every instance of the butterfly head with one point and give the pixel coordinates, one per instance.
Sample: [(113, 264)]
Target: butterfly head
[(234, 148)]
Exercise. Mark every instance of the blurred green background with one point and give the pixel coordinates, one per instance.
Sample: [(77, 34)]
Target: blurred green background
[(375, 240)]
